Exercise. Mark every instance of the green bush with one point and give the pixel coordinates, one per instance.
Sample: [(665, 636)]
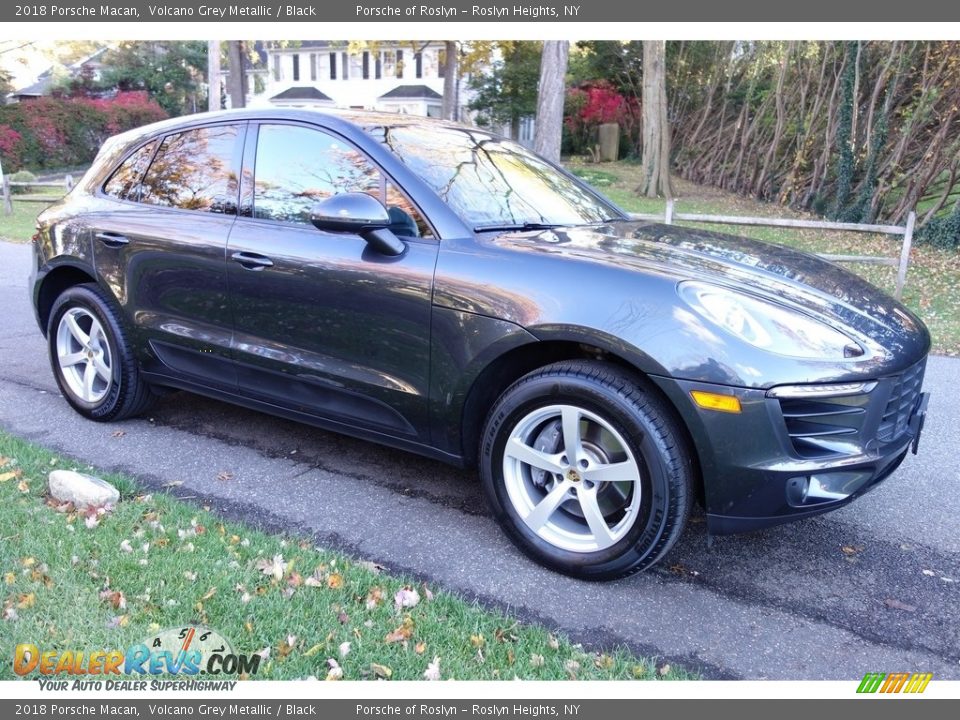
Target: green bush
[(21, 177), (943, 231)]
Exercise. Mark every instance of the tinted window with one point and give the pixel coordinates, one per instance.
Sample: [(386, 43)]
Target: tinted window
[(125, 181), (297, 167), (490, 181), (194, 170)]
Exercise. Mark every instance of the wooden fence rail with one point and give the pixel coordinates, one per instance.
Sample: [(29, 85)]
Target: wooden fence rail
[(67, 184), (906, 231)]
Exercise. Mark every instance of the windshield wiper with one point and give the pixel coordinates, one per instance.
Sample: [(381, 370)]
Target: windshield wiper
[(514, 226)]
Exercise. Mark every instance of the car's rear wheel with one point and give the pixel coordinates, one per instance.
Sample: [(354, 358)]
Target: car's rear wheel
[(586, 470), (92, 360)]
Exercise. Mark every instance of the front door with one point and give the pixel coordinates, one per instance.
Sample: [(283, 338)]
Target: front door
[(323, 324)]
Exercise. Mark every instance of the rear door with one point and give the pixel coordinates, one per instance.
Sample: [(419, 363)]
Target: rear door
[(161, 243), (324, 324)]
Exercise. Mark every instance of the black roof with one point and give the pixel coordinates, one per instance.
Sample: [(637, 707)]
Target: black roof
[(412, 92), (302, 93)]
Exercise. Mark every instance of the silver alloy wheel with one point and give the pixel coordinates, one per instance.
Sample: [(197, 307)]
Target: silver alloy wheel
[(83, 354), (572, 478)]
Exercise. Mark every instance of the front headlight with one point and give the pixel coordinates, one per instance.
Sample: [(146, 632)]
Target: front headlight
[(767, 325)]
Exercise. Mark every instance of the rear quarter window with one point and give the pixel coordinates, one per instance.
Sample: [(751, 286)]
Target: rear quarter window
[(124, 183)]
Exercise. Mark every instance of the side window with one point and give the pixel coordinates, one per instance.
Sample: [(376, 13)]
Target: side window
[(296, 167), (125, 181), (194, 170)]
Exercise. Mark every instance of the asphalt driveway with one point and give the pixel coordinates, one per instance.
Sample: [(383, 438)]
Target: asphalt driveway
[(872, 587)]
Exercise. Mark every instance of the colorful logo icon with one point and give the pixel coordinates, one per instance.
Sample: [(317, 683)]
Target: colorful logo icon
[(894, 682)]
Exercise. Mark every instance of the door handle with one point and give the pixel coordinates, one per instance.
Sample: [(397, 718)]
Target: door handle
[(252, 261), (112, 239)]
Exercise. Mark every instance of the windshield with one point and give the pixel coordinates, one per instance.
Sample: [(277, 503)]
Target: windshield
[(491, 182)]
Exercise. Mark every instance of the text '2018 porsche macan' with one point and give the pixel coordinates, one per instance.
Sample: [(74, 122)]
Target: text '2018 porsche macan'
[(445, 291)]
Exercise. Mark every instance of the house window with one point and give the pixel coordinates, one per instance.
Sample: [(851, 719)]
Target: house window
[(441, 62), (389, 64), (333, 66), (399, 63), (419, 58), (277, 70), (377, 66), (345, 64), (313, 66), (296, 67), (366, 65)]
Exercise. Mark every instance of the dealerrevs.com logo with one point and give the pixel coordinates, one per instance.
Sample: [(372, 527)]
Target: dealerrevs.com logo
[(889, 683), (190, 652)]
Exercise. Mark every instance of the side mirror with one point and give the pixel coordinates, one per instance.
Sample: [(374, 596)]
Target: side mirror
[(360, 214)]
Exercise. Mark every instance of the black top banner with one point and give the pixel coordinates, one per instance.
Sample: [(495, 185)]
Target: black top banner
[(572, 11)]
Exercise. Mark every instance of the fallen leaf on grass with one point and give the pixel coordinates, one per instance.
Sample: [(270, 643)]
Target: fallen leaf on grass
[(664, 669), (118, 621), (478, 641), (313, 650), (275, 566), (897, 605), (603, 661), (571, 666), (26, 600), (115, 598), (286, 646), (335, 581), (371, 566), (335, 672), (374, 598), (344, 649), (9, 578), (536, 660), (401, 633), (172, 483), (126, 546), (433, 670), (10, 475), (23, 486), (381, 671), (209, 593), (420, 648), (552, 642), (406, 597)]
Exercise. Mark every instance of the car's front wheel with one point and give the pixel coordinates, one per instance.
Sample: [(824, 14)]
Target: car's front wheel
[(92, 360), (586, 470)]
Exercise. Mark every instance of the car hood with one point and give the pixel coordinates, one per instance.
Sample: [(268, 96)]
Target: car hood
[(801, 280)]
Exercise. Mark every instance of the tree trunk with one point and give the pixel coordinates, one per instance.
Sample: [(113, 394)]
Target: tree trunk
[(656, 131), (550, 95), (450, 69), (213, 75), (237, 78)]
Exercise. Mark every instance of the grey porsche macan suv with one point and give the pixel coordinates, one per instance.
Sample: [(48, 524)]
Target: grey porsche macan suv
[(442, 290)]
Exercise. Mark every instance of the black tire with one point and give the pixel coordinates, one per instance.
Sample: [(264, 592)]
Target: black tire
[(126, 394), (639, 428)]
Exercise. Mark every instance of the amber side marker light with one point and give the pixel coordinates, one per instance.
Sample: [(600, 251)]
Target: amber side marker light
[(715, 401)]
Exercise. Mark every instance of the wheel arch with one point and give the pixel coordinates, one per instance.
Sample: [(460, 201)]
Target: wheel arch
[(53, 284), (508, 367)]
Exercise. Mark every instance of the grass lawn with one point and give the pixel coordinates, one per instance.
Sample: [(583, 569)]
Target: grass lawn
[(19, 227), (156, 562), (933, 278)]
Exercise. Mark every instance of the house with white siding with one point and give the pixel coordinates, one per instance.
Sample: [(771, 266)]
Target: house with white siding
[(391, 76)]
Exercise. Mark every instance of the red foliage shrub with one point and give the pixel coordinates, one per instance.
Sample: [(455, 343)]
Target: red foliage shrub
[(592, 105), (10, 141), (56, 131)]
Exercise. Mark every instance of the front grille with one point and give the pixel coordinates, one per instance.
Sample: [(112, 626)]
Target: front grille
[(824, 426), (900, 405)]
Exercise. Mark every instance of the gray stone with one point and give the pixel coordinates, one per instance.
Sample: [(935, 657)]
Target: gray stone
[(82, 490)]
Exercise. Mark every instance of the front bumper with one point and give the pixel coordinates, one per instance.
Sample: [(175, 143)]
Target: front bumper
[(781, 459)]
